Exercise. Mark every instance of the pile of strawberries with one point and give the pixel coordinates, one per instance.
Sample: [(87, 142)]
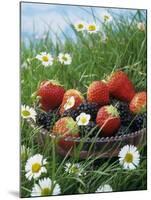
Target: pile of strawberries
[(108, 119)]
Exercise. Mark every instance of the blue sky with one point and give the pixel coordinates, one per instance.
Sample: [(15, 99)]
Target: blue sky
[(39, 18)]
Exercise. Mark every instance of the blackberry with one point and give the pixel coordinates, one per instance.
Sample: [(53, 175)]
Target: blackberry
[(47, 120), (89, 130), (123, 130), (71, 113), (123, 109), (138, 122), (113, 101), (88, 108), (67, 113)]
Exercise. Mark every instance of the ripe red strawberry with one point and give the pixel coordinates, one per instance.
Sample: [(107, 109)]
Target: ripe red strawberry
[(120, 86), (78, 99), (98, 93), (51, 94), (108, 120), (63, 128), (138, 103)]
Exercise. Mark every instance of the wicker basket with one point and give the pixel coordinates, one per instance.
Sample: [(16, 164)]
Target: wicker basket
[(102, 147)]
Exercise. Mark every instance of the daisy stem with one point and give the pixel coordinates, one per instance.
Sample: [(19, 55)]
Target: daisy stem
[(22, 123), (53, 159)]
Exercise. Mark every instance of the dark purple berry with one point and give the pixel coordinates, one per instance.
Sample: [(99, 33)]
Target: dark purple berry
[(123, 130), (47, 119), (90, 130), (138, 122), (123, 109), (88, 108)]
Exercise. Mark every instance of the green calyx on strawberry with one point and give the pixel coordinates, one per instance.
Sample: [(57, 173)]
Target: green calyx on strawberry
[(71, 127), (50, 94), (64, 128), (112, 111), (108, 120), (120, 86)]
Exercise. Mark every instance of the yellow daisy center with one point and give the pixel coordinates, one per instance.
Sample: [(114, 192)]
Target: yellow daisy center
[(45, 191), (83, 120), (45, 58), (74, 170), (106, 17), (64, 58), (92, 27), (128, 158), (25, 113), (36, 167), (80, 26)]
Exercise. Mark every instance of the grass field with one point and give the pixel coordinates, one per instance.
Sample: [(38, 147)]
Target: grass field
[(92, 59)]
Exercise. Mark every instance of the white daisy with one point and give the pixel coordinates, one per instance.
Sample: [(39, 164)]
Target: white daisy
[(65, 58), (45, 187), (104, 188), (141, 26), (45, 58), (92, 28), (25, 152), (74, 169), (129, 157), (80, 26), (28, 112), (106, 17), (35, 166), (83, 119), (70, 103)]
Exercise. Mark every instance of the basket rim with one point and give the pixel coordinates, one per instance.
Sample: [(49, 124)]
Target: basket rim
[(97, 139)]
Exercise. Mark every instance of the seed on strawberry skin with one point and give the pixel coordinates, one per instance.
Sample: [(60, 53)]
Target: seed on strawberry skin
[(66, 127), (74, 95), (50, 94), (120, 86), (138, 103), (108, 119), (98, 93)]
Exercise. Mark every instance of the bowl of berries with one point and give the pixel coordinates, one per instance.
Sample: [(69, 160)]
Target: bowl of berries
[(112, 115)]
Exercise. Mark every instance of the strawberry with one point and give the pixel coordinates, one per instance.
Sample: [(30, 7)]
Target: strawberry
[(63, 128), (74, 96), (108, 120), (138, 103), (98, 93), (51, 94), (120, 86)]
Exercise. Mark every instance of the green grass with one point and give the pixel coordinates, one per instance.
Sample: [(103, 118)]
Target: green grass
[(125, 49)]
